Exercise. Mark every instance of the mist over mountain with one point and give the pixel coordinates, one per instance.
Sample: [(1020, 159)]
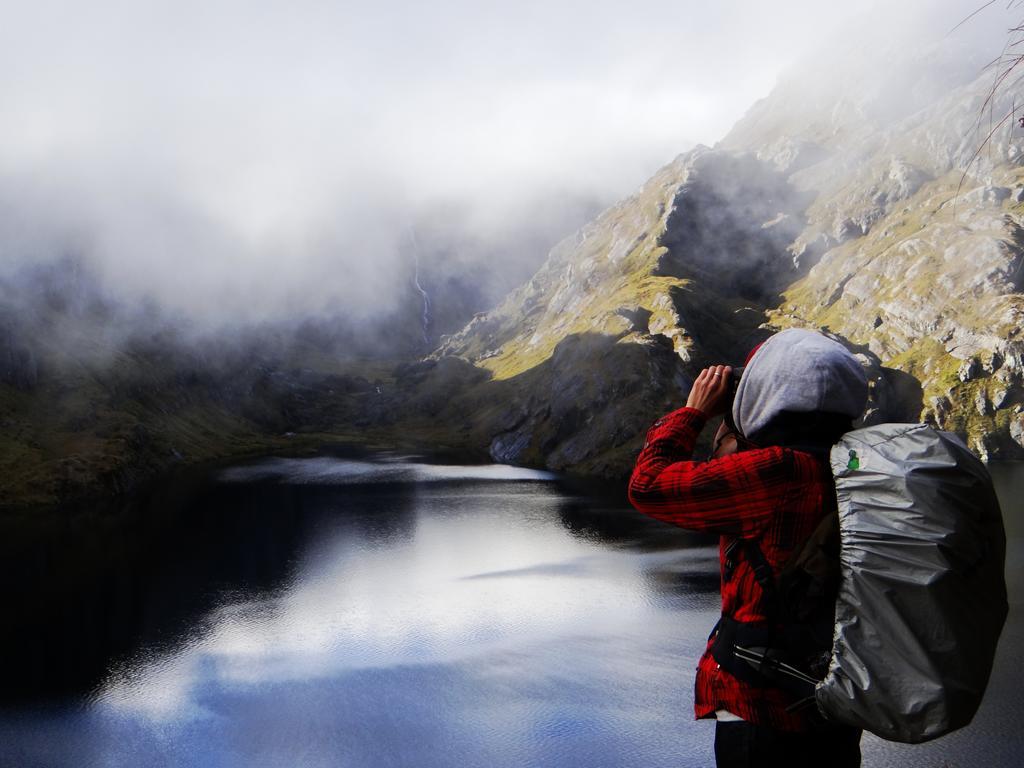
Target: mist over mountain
[(235, 165), (181, 281), (863, 197)]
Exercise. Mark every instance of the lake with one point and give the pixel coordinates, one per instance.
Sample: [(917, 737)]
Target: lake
[(340, 611)]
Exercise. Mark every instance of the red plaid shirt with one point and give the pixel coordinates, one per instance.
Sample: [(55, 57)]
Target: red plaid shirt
[(773, 495)]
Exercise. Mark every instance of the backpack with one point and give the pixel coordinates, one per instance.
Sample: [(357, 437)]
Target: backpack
[(922, 596), (908, 577)]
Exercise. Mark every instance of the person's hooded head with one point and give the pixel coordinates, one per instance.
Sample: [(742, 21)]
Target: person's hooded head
[(799, 388)]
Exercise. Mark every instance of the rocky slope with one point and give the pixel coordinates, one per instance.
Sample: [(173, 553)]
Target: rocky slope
[(864, 209)]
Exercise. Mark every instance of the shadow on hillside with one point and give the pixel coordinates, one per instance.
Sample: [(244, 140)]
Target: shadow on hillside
[(893, 395), (902, 398), (585, 409), (731, 229)]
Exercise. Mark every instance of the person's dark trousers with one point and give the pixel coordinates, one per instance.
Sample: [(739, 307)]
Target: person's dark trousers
[(739, 744)]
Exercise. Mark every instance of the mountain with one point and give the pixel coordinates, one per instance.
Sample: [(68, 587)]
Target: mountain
[(863, 200), (878, 198)]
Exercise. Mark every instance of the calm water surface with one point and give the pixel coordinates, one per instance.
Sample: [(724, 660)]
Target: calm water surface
[(339, 612)]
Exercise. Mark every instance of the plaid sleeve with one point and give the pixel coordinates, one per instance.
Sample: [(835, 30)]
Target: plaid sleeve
[(734, 495)]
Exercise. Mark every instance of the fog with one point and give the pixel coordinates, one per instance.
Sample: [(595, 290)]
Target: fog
[(233, 162)]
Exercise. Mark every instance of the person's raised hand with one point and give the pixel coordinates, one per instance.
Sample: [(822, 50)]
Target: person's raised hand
[(710, 391)]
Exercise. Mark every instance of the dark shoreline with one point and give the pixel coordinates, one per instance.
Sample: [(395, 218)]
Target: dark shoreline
[(174, 476)]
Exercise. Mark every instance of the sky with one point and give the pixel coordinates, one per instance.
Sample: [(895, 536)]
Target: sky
[(242, 158)]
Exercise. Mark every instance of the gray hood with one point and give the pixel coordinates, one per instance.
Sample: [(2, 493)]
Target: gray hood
[(798, 371)]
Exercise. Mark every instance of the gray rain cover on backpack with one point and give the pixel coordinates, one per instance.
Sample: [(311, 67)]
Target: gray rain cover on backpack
[(923, 594)]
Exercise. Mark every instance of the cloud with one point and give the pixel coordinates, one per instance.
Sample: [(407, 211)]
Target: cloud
[(256, 160)]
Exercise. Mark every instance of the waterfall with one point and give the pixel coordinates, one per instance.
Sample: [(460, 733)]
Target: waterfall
[(425, 317)]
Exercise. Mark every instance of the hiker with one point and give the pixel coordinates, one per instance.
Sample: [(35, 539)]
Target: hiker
[(765, 490)]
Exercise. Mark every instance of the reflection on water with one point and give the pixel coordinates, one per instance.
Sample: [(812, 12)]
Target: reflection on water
[(336, 612), (389, 469)]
